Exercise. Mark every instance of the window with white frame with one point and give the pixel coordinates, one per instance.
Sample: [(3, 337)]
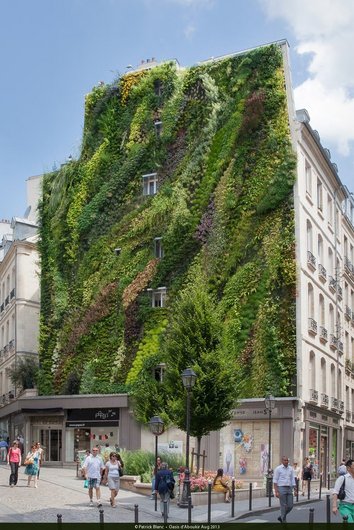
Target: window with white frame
[(312, 375), (308, 176), (319, 195), (159, 372), (158, 249), (322, 311), (309, 235), (158, 296), (331, 319), (333, 380), (329, 210), (150, 184), (311, 308), (320, 249), (323, 375)]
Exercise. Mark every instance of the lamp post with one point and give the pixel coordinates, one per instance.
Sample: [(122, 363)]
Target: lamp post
[(188, 379), (156, 426), (269, 402)]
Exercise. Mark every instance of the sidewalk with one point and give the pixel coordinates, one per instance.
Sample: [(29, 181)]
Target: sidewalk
[(60, 492)]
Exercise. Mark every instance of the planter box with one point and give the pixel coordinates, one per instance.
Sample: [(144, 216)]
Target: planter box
[(127, 482)]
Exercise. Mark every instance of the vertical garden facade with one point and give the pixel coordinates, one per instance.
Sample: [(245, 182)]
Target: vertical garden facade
[(184, 188)]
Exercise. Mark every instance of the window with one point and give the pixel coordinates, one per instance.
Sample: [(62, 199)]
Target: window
[(320, 249), (150, 184), (312, 375), (333, 380), (158, 296), (311, 309), (331, 319), (158, 87), (158, 128), (319, 195), (322, 311), (309, 235), (329, 210), (159, 372), (308, 176), (158, 250), (323, 375)]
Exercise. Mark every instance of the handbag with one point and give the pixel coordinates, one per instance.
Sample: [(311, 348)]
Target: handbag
[(341, 493), (29, 461), (120, 471)]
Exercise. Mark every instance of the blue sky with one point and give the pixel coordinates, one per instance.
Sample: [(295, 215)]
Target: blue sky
[(52, 52)]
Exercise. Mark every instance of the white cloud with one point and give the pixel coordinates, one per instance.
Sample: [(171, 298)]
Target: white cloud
[(189, 31), (324, 31)]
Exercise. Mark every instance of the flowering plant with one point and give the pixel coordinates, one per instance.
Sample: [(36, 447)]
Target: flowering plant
[(200, 482)]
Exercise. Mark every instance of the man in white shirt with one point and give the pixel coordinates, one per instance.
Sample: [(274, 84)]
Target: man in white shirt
[(346, 505), (92, 469), (284, 483)]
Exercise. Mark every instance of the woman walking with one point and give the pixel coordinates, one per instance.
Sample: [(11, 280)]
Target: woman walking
[(14, 461), (112, 473), (31, 463), (40, 457)]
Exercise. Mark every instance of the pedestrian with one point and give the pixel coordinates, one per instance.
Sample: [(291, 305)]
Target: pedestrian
[(297, 474), (155, 470), (307, 474), (20, 444), (3, 450), (31, 463), (164, 485), (14, 461), (346, 505), (284, 483), (342, 469), (40, 457), (113, 470), (221, 485), (92, 469)]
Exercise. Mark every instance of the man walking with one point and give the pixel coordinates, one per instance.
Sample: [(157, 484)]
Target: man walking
[(92, 470), (346, 505), (284, 483)]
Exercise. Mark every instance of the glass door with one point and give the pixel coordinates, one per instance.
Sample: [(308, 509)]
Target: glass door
[(51, 440)]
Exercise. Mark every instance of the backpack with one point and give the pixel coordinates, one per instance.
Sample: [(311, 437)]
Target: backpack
[(167, 482)]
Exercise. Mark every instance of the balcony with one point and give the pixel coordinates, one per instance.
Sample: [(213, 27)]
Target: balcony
[(332, 284), (334, 404), (6, 348), (313, 396), (341, 406), (347, 312), (2, 307), (339, 292), (312, 326), (323, 334), (324, 401), (322, 273), (311, 260), (12, 345), (333, 342), (348, 266), (7, 300), (340, 347), (12, 294)]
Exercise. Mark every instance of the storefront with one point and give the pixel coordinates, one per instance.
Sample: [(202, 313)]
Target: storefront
[(349, 443), (322, 440), (67, 424)]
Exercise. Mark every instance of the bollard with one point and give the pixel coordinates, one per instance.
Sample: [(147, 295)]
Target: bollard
[(165, 512), (189, 509), (77, 468), (297, 482), (320, 492), (345, 519), (233, 497), (311, 515), (101, 512), (59, 519), (209, 501), (136, 513), (328, 509), (250, 497), (328, 480), (309, 489)]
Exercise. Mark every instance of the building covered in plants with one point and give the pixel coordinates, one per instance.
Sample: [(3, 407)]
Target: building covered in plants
[(178, 239)]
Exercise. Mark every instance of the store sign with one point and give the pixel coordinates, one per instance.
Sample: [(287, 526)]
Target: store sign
[(104, 416)]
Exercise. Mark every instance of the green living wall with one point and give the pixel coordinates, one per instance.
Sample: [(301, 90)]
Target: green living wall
[(225, 170)]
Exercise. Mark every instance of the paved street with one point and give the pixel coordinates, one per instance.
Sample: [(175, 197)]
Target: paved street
[(59, 491)]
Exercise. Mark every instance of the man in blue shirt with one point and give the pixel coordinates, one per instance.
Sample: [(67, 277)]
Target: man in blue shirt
[(284, 483)]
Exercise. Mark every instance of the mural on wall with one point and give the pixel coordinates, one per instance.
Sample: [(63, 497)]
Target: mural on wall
[(243, 466), (173, 446), (264, 458), (244, 439), (228, 464)]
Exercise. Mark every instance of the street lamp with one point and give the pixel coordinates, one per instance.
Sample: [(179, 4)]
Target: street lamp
[(156, 426), (188, 379), (269, 402)]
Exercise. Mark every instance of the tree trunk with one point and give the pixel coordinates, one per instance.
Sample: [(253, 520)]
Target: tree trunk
[(199, 439)]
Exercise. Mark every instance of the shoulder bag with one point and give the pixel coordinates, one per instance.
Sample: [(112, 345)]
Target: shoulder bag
[(341, 493)]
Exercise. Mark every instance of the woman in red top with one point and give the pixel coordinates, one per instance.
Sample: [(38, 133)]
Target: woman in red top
[(14, 459)]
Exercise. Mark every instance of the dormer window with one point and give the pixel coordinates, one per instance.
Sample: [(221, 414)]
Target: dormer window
[(158, 250), (158, 87), (150, 184)]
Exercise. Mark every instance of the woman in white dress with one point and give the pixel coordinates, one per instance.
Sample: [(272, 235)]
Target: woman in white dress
[(112, 473)]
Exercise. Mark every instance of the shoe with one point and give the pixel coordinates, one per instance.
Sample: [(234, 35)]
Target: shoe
[(280, 519), (91, 503), (99, 504), (12, 485)]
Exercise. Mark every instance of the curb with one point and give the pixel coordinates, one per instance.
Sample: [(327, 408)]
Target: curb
[(260, 511)]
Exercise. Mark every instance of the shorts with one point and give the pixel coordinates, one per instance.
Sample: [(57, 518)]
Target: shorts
[(94, 482)]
